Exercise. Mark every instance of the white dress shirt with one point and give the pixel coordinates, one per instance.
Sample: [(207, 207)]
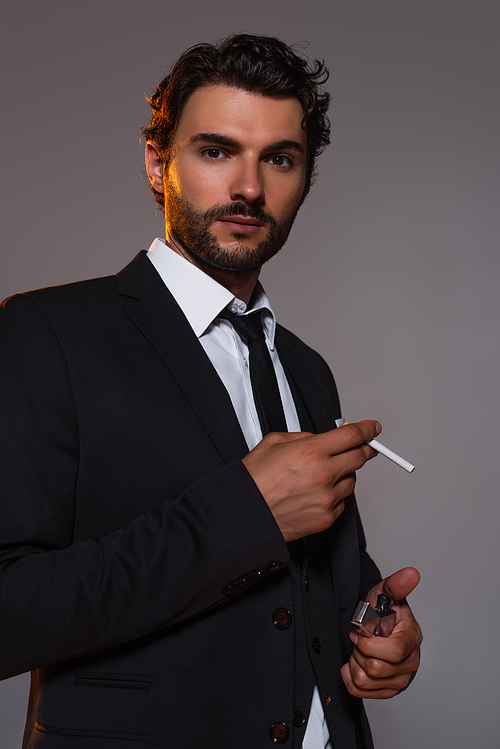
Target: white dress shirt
[(201, 299)]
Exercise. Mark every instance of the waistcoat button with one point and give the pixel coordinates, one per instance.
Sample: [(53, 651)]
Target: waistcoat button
[(299, 719), (279, 733), (282, 618)]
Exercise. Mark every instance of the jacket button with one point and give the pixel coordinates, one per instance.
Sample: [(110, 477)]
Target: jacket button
[(299, 719), (282, 618), (274, 566), (316, 645), (279, 733)]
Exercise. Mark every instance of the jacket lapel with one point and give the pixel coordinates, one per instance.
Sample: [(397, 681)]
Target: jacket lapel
[(157, 315), (303, 379), (159, 318)]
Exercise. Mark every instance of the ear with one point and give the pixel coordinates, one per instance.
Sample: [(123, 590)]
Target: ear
[(154, 166)]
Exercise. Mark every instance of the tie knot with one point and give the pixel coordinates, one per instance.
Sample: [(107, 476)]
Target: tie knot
[(248, 326)]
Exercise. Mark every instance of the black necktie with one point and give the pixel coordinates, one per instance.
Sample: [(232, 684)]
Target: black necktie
[(265, 389)]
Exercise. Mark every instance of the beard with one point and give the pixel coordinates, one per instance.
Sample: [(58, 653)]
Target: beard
[(192, 229)]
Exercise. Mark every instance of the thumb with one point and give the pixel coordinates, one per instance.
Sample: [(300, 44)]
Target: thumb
[(400, 584)]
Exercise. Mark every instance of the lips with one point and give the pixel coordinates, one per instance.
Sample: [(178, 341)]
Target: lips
[(241, 224), (241, 220)]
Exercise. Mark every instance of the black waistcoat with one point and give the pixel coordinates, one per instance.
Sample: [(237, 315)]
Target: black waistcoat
[(318, 652)]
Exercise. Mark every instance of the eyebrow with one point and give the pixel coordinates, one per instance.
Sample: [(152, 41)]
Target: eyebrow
[(223, 140)]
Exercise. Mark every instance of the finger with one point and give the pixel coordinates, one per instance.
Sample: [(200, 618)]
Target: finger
[(388, 665), (350, 461), (348, 436), (360, 431), (364, 681), (400, 584), (278, 437), (372, 675), (383, 691), (343, 488), (402, 645)]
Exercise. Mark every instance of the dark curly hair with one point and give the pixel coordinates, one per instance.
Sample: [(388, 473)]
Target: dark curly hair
[(259, 64)]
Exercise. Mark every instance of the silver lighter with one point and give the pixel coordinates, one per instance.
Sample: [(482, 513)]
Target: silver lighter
[(374, 622)]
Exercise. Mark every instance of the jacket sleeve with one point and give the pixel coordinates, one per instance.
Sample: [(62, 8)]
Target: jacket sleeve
[(60, 600)]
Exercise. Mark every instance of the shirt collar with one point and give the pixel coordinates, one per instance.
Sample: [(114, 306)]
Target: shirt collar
[(199, 296)]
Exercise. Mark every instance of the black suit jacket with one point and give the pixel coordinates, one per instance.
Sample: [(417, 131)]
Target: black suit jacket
[(140, 566)]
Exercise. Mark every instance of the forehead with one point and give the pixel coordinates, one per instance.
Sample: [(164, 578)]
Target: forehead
[(245, 116)]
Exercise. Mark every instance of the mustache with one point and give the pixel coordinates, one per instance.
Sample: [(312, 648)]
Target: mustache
[(239, 209)]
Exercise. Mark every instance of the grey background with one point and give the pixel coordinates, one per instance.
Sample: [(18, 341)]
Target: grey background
[(391, 270)]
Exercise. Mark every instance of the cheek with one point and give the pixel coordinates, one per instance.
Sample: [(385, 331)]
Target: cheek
[(203, 185), (171, 180), (284, 196), (210, 185), (286, 204)]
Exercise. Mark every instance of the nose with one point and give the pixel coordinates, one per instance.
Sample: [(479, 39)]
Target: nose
[(247, 182)]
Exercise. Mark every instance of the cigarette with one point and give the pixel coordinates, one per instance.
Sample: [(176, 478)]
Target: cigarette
[(391, 455), (383, 450)]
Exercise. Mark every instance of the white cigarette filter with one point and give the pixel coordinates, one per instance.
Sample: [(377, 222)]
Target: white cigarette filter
[(383, 450)]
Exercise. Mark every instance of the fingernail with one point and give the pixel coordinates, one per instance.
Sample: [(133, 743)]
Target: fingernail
[(378, 427), (354, 637)]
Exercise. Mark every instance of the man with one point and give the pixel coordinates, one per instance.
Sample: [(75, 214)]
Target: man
[(172, 577)]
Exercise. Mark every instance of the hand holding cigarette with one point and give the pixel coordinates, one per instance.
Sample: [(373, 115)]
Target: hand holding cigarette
[(304, 478), (378, 447)]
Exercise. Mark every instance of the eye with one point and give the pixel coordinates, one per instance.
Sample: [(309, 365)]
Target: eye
[(279, 159), (213, 153)]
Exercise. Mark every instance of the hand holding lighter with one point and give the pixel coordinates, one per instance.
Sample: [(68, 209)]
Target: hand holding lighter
[(374, 622)]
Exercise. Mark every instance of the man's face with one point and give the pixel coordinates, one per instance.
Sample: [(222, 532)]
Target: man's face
[(236, 177)]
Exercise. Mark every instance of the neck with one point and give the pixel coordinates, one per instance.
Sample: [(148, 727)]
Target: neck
[(242, 285)]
